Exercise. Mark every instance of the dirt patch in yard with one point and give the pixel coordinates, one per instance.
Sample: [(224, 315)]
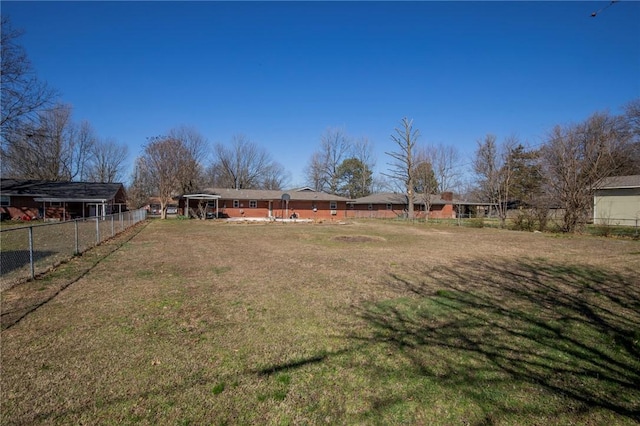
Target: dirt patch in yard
[(357, 239)]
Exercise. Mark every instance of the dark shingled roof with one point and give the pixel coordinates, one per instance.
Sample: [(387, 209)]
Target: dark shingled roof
[(59, 190)]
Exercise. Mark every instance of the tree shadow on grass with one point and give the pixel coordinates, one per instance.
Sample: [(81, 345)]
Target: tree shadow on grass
[(569, 331), (18, 259)]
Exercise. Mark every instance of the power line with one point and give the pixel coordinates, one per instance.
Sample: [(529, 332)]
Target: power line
[(594, 14)]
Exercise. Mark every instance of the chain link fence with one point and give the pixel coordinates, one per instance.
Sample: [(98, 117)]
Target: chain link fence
[(615, 227), (30, 250)]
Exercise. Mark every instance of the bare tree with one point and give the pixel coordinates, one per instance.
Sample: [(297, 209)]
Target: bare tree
[(381, 183), (244, 165), (495, 170), (486, 166), (445, 162), (632, 117), (403, 165), (81, 145), (142, 187), (425, 182), (314, 172), (192, 175), (275, 177), (576, 157), (322, 170), (162, 167), (363, 151), (56, 135), (107, 162), (22, 94), (54, 148)]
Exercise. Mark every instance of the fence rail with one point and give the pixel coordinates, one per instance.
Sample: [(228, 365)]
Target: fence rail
[(27, 251)]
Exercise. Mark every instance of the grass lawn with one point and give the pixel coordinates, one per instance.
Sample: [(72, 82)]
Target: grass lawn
[(369, 322)]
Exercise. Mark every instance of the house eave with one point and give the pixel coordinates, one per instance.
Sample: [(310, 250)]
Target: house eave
[(606, 188), (70, 200)]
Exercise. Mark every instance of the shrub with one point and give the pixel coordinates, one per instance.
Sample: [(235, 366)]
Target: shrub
[(476, 222), (535, 219), (602, 230), (542, 215), (524, 221)]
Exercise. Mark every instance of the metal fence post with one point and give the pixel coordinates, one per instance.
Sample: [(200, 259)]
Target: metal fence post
[(77, 237), (97, 230), (31, 262), (113, 227)]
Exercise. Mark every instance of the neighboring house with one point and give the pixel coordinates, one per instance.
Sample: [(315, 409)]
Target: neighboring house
[(301, 203), (616, 201), (31, 199), (392, 205)]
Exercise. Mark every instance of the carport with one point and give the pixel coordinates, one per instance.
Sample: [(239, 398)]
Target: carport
[(97, 206), (199, 197)]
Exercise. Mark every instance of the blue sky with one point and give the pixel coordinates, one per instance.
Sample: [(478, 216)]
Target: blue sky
[(281, 73)]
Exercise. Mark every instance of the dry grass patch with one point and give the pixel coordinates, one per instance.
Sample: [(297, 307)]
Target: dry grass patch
[(196, 322)]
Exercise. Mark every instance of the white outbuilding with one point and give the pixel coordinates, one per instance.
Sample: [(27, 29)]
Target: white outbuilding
[(617, 201)]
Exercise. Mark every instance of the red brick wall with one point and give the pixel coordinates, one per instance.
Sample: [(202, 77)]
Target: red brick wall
[(377, 211), (398, 210), (304, 209), (442, 212)]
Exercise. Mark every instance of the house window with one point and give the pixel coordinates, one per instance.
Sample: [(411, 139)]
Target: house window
[(5, 200), (389, 206), (253, 204), (333, 205), (236, 204)]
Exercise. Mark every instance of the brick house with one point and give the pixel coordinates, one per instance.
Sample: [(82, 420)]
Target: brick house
[(393, 205), (303, 203), (33, 199)]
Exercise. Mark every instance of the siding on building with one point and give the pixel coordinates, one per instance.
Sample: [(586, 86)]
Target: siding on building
[(617, 201)]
